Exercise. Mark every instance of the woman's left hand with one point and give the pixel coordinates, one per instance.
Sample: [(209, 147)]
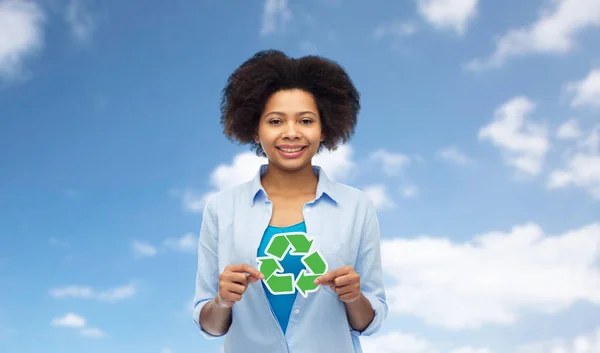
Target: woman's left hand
[(344, 281)]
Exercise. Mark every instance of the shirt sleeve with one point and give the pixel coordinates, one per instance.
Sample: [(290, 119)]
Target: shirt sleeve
[(207, 275), (369, 267)]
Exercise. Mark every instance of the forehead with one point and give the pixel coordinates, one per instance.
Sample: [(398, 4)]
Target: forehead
[(291, 102)]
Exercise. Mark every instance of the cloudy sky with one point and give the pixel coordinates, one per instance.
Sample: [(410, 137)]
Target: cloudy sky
[(479, 142)]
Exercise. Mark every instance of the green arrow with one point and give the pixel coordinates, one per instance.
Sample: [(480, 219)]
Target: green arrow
[(278, 246), (300, 243), (305, 283), (315, 263), (281, 284), (268, 265)]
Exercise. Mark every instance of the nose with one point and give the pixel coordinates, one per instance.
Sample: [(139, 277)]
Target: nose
[(291, 131)]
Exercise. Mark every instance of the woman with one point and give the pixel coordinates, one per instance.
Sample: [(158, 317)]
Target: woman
[(288, 110)]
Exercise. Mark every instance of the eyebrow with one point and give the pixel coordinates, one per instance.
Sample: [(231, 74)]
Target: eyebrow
[(297, 114)]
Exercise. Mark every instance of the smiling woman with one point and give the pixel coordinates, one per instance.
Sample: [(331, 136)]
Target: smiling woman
[(291, 230)]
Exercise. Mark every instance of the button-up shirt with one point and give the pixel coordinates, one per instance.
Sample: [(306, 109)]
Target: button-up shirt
[(343, 224)]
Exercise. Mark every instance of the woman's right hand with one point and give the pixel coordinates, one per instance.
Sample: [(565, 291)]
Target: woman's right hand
[(233, 283)]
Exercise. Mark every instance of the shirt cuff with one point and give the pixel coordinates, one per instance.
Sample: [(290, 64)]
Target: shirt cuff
[(375, 325), (196, 317)]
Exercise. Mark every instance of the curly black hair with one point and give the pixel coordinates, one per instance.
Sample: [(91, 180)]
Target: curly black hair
[(268, 71)]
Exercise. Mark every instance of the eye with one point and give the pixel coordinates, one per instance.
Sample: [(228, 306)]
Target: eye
[(306, 121), (274, 121)]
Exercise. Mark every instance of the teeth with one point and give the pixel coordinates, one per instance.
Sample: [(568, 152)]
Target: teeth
[(291, 150)]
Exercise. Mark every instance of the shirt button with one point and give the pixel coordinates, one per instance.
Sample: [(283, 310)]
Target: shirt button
[(296, 311), (307, 210)]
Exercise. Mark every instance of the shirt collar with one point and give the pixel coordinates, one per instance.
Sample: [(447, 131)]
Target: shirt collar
[(325, 186)]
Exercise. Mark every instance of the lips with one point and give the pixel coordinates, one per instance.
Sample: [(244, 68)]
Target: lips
[(291, 149)]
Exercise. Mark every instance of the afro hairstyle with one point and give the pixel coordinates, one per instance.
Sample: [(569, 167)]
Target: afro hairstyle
[(249, 87)]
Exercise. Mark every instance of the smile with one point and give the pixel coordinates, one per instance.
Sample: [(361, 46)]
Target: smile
[(291, 150)]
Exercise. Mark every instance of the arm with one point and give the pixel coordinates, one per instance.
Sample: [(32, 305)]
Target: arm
[(215, 318), (212, 319), (367, 313), (360, 313), (361, 288)]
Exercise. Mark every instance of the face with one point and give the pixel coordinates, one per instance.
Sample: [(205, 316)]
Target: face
[(289, 130)]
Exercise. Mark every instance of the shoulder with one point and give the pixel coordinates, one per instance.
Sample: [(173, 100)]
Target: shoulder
[(228, 198), (349, 196)]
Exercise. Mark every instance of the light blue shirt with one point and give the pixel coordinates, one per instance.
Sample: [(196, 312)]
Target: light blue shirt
[(344, 225)]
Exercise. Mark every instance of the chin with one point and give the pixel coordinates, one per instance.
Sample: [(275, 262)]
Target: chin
[(291, 164)]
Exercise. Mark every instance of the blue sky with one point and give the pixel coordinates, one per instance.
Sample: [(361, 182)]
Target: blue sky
[(479, 141)]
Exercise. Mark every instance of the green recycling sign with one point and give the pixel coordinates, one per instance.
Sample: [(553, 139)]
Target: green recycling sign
[(296, 243)]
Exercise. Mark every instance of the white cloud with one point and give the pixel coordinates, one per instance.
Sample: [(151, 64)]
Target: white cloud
[(493, 278), (69, 320), (554, 32), (80, 21), (399, 342), (396, 342), (569, 130), (244, 167), (409, 191), (524, 144), (76, 321), (391, 162), (276, 15), (93, 332), (586, 343), (379, 196), (469, 349), (448, 14), (118, 293), (454, 155), (72, 291), (143, 249), (337, 164), (586, 92), (110, 295), (193, 201), (185, 243), (581, 167), (21, 36), (166, 350)]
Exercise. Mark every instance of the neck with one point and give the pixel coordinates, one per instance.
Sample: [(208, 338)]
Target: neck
[(283, 181)]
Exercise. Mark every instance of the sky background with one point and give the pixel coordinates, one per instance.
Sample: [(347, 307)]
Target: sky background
[(479, 142)]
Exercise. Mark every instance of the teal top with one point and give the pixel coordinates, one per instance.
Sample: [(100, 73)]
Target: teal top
[(282, 304)]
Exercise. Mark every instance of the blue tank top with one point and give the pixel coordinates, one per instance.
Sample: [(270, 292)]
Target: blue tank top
[(282, 304)]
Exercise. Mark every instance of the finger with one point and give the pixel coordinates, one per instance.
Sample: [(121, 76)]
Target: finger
[(247, 269), (327, 279), (231, 296), (340, 291), (234, 288), (344, 280), (350, 297), (252, 279), (236, 278)]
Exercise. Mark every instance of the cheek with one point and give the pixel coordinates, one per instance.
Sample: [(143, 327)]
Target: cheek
[(315, 136)]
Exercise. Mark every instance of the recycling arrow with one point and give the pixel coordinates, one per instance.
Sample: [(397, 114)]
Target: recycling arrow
[(277, 249)]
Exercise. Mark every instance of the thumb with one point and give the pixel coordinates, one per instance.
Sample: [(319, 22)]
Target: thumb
[(252, 279)]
